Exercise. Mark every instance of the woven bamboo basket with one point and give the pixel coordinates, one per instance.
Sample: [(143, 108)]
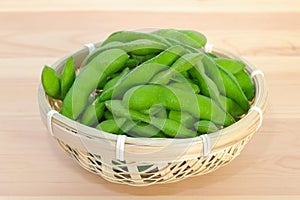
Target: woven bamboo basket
[(147, 161)]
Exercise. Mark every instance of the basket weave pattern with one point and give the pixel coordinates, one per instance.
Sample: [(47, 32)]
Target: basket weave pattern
[(150, 161), (142, 174)]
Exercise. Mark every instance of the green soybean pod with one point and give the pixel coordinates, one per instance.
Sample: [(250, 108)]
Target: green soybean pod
[(245, 81), (86, 82), (182, 117), (186, 86), (232, 107), (108, 115), (128, 36), (111, 83), (51, 82), (184, 63), (93, 113), (207, 86), (140, 47), (131, 63), (156, 110), (196, 36), (234, 66), (144, 58), (211, 55), (233, 89), (204, 126), (111, 125), (144, 72), (212, 71), (144, 96), (179, 36), (139, 75), (169, 56), (190, 49), (144, 130), (170, 128), (67, 77)]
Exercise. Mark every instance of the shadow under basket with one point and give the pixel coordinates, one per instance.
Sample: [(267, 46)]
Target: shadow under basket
[(147, 161)]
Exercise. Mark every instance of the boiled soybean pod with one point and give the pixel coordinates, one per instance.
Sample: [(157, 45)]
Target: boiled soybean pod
[(186, 86), (128, 36), (184, 63), (233, 89), (86, 82), (51, 82), (108, 115), (111, 125), (144, 130), (232, 107), (207, 86), (140, 47), (111, 83), (144, 96), (179, 36), (190, 49), (140, 75), (211, 55), (144, 72), (204, 126), (182, 117), (170, 127), (196, 36), (67, 77), (212, 71), (245, 81), (93, 113), (234, 66), (131, 63)]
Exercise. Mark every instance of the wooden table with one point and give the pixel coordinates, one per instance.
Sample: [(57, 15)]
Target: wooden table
[(34, 33)]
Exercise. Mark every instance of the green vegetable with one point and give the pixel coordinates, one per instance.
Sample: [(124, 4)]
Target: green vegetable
[(87, 81), (67, 77), (51, 82)]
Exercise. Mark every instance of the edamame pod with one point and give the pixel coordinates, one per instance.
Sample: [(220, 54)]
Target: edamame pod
[(111, 83), (179, 36), (186, 86), (245, 81), (111, 125), (190, 49), (184, 63), (144, 72), (51, 82), (86, 82), (140, 47), (204, 126), (232, 107), (234, 66), (145, 130), (184, 118), (144, 96), (128, 36), (207, 86), (140, 75), (93, 113), (196, 36), (233, 89), (170, 127), (67, 77)]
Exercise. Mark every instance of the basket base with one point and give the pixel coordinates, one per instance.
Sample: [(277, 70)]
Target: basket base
[(144, 174)]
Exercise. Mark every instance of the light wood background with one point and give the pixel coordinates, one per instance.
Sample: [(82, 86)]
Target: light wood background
[(38, 32)]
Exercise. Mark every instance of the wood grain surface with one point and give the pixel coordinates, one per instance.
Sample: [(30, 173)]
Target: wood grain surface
[(266, 33)]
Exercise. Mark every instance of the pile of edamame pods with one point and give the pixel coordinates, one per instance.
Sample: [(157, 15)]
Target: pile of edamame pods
[(158, 84)]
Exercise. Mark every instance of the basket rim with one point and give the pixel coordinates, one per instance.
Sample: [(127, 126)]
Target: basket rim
[(261, 96)]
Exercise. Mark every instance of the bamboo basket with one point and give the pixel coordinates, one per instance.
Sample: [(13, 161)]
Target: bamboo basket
[(147, 161)]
